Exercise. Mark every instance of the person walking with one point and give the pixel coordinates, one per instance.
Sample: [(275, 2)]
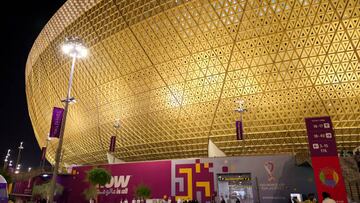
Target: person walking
[(222, 200), (357, 158), (327, 198), (294, 200), (310, 198)]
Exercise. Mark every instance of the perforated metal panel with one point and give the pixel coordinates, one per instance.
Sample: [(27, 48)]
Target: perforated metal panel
[(172, 71)]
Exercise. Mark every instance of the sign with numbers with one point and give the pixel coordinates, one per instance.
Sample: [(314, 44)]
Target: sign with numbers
[(321, 136)]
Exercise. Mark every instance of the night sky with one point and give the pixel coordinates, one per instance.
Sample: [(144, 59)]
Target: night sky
[(21, 22)]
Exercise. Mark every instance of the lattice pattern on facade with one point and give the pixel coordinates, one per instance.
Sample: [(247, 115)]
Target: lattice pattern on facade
[(172, 71)]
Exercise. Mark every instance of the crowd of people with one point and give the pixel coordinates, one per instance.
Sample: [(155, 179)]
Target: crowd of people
[(310, 198), (223, 200), (190, 201), (356, 155)]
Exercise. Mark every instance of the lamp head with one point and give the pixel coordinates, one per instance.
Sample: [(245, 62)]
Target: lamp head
[(241, 107), (21, 145), (74, 47), (117, 123)]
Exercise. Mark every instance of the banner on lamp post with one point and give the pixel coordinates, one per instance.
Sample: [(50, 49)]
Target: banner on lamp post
[(325, 162), (56, 121), (112, 144), (239, 130), (43, 153)]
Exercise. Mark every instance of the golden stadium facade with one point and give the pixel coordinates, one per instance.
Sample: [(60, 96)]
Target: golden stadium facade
[(172, 71)]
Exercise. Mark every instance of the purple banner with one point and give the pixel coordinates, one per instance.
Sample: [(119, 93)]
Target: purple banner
[(239, 130), (43, 153), (112, 144), (56, 122), (321, 136)]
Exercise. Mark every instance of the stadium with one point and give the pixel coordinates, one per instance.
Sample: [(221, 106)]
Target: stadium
[(171, 73)]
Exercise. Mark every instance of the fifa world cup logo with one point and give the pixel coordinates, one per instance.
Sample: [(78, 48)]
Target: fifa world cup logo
[(269, 167)]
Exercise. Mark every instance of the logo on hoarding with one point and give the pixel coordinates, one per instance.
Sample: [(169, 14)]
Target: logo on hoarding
[(269, 168), (329, 177), (192, 179), (118, 185)]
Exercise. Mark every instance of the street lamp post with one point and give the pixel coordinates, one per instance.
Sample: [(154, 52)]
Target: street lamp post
[(241, 109), (116, 126), (17, 169), (19, 154), (74, 48)]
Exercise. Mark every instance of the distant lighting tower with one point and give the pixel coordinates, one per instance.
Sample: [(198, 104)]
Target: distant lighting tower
[(17, 170), (29, 169), (75, 48), (19, 154), (6, 159), (5, 163)]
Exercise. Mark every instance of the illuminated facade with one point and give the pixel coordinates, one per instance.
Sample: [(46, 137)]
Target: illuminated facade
[(172, 71)]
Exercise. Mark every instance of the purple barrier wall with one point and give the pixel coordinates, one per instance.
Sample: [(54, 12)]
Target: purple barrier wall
[(23, 187), (3, 193), (125, 177), (273, 179)]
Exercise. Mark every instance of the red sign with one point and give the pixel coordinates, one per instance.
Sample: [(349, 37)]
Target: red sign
[(327, 171), (328, 178)]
